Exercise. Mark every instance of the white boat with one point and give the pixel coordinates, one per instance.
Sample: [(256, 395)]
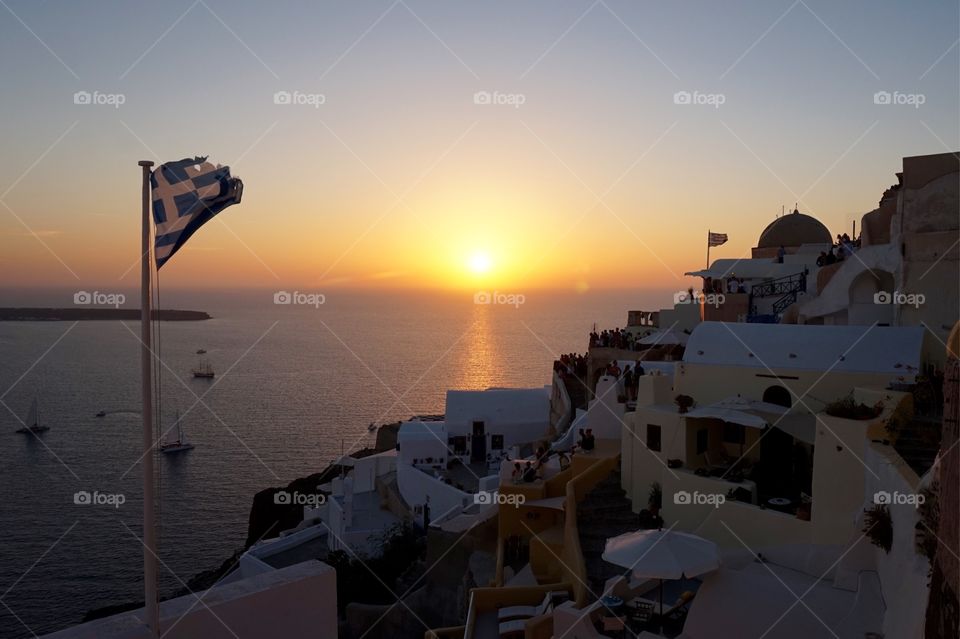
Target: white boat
[(180, 444), (204, 370), (33, 425)]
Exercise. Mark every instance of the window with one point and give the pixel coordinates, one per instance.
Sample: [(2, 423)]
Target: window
[(459, 445), (703, 439), (496, 442), (733, 433), (653, 437)]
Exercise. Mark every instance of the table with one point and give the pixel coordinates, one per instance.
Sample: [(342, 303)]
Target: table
[(781, 504)]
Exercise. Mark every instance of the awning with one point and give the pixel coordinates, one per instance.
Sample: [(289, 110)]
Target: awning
[(757, 414), (733, 416), (743, 411)]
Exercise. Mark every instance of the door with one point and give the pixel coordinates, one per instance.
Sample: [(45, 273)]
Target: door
[(479, 443)]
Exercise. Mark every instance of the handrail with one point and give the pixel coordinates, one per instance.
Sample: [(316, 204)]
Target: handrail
[(786, 284)]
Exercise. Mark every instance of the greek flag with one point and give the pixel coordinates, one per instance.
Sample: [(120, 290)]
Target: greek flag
[(716, 239), (185, 195)]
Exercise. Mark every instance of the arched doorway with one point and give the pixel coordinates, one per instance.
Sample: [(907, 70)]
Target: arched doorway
[(777, 395), (871, 298)]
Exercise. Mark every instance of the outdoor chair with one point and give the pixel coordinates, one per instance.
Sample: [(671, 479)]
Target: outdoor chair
[(613, 625), (525, 612)]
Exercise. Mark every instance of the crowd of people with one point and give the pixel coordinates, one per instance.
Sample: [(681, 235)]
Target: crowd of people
[(628, 380), (572, 364), (844, 248), (533, 470), (617, 338)]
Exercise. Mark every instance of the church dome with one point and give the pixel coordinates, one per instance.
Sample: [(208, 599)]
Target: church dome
[(794, 229)]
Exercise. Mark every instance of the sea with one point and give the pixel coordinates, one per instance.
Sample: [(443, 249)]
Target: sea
[(298, 380)]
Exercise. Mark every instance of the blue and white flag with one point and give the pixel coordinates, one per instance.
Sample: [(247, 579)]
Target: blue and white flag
[(185, 195)]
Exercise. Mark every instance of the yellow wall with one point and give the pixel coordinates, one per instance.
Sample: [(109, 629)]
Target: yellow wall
[(708, 384)]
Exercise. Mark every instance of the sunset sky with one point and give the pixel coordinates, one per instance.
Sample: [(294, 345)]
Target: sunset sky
[(587, 176)]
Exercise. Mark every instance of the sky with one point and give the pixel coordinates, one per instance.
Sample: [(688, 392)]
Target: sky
[(453, 145)]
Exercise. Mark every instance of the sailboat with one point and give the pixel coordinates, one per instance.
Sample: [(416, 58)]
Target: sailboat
[(204, 370), (33, 425), (181, 444)]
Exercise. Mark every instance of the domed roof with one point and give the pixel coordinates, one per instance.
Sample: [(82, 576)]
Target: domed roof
[(794, 229)]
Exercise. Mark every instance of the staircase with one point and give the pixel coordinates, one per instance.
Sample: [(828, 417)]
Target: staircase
[(577, 391), (788, 289), (605, 512), (918, 443)]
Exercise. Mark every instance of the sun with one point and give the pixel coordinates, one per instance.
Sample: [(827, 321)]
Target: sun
[(479, 263)]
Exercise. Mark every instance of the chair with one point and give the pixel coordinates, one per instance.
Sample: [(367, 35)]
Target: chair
[(525, 612), (717, 463), (639, 612), (614, 625), (655, 608)]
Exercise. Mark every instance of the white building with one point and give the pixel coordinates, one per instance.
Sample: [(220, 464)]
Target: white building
[(483, 424), (443, 465)]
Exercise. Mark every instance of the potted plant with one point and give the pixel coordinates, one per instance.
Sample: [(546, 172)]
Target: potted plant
[(684, 403), (878, 526), (848, 408), (655, 498)]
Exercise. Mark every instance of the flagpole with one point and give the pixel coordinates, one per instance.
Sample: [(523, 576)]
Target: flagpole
[(151, 609), (708, 249)]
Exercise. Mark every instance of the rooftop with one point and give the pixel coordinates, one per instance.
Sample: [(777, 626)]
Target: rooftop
[(501, 405), (758, 268), (845, 349), (794, 229)]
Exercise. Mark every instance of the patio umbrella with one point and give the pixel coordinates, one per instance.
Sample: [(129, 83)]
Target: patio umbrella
[(662, 554), (665, 337)]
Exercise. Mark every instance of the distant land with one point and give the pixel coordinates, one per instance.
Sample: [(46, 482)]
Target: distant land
[(89, 314)]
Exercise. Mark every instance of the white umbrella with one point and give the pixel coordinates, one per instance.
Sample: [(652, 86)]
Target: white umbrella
[(666, 337), (662, 554)]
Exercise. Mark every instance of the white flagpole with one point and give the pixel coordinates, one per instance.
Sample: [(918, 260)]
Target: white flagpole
[(151, 609)]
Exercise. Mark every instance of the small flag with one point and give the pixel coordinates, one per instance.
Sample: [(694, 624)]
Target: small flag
[(716, 239), (186, 194)]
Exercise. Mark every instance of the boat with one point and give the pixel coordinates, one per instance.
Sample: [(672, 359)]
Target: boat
[(32, 425), (180, 444), (204, 370), (201, 351), (102, 413)]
